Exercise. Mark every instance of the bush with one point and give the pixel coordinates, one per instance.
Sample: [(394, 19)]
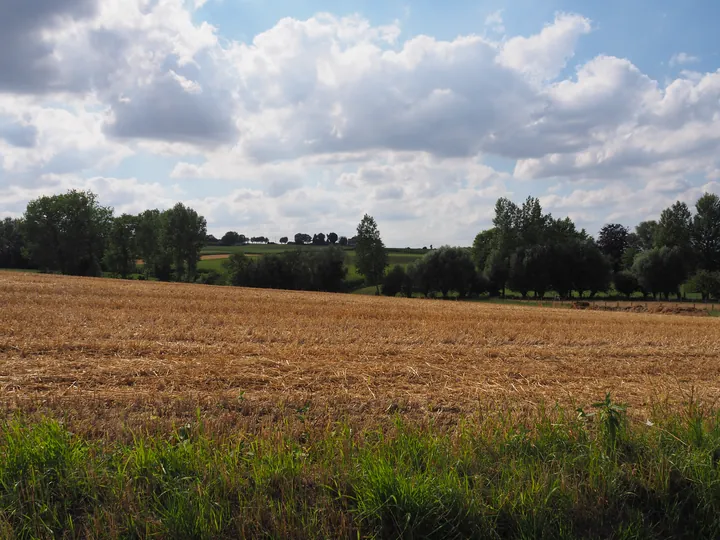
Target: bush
[(707, 284), (322, 270), (393, 282), (209, 277), (660, 270), (626, 283), (448, 269)]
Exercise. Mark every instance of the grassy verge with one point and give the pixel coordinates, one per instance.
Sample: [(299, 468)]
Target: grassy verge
[(557, 475)]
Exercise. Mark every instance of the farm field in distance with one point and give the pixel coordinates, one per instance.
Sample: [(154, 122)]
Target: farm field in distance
[(130, 352), (213, 257)]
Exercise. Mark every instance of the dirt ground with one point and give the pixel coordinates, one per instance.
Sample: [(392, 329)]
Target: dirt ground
[(108, 353)]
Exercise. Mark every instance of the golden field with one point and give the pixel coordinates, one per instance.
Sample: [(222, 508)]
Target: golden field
[(108, 353)]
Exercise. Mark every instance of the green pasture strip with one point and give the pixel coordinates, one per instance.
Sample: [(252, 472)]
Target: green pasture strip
[(557, 474)]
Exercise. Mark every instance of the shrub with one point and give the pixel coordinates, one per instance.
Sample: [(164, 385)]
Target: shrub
[(706, 283), (626, 283), (393, 282)]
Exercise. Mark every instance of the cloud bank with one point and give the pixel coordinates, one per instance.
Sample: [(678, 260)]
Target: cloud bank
[(314, 122)]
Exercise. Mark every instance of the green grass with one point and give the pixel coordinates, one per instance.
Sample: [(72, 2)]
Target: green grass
[(213, 264), (395, 255), (275, 248), (555, 475), (402, 257)]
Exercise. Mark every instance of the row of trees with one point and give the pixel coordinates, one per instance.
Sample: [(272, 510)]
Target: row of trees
[(318, 270), (660, 255), (319, 239), (529, 251), (322, 270), (443, 270), (526, 250), (232, 238), (73, 233)]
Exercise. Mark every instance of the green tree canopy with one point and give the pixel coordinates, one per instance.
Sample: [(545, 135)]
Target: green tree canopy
[(706, 232), (122, 253), (660, 270), (613, 240), (371, 259), (67, 232), (12, 244), (675, 227), (646, 232), (184, 238)]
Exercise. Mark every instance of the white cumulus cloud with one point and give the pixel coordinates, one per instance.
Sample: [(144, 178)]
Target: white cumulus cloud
[(313, 122)]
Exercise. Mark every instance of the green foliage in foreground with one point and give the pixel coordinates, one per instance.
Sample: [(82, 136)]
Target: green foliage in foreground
[(590, 475)]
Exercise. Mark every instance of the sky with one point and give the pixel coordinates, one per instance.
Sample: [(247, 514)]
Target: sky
[(272, 117)]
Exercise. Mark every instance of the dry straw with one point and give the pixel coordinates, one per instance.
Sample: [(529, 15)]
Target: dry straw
[(114, 352)]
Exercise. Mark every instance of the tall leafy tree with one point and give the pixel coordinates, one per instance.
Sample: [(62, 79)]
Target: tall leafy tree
[(332, 238), (67, 232), (538, 262), (559, 231), (231, 238), (706, 232), (302, 238), (706, 283), (371, 258), (121, 253), (661, 270), (420, 277), (626, 283), (675, 227), (519, 275), (12, 244), (531, 223), (329, 270), (497, 271), (646, 232), (506, 220), (394, 281), (150, 230), (565, 266), (592, 271), (529, 270), (450, 269), (634, 246), (485, 243), (184, 236), (613, 241)]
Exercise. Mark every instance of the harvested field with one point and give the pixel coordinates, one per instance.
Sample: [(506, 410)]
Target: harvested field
[(214, 257), (105, 353), (663, 309), (211, 257)]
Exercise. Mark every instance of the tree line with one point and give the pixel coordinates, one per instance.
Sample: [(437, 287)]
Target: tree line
[(319, 270), (526, 251), (530, 252), (233, 238), (72, 233)]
